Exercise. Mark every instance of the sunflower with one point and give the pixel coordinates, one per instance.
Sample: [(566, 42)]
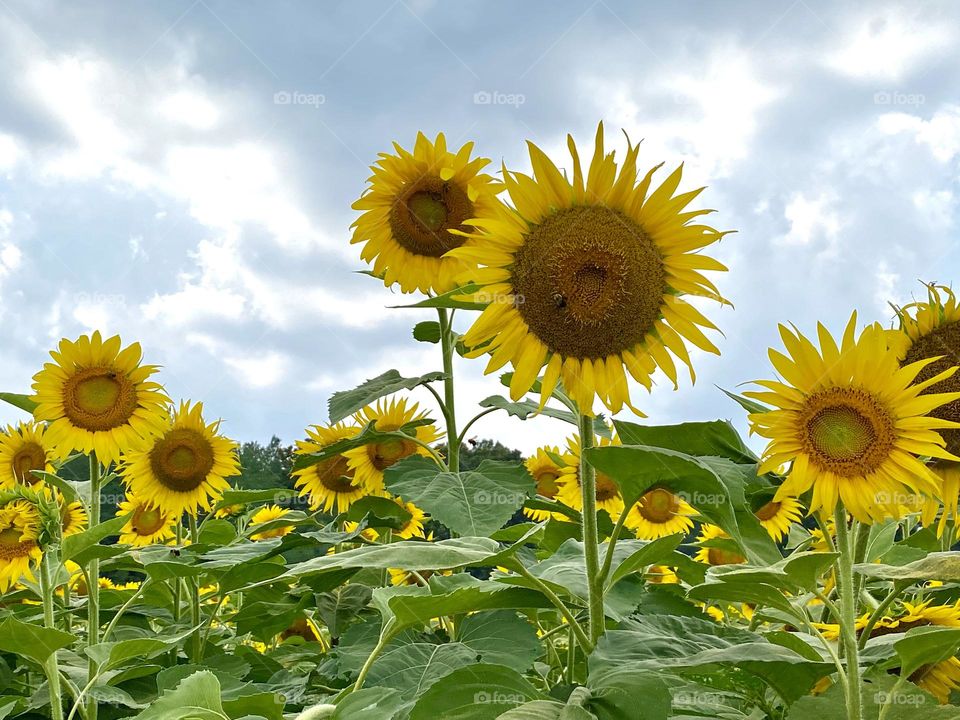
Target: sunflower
[(931, 331), (303, 628), (659, 513), (369, 461), (185, 466), (570, 493), (661, 575), (414, 212), (97, 398), (586, 277), (269, 513), (852, 422), (776, 516), (716, 553), (147, 525), (73, 518), (329, 483), (24, 449), (545, 470), (19, 549), (414, 526)]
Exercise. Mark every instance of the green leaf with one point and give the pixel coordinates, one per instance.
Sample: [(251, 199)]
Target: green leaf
[(374, 703), (21, 401), (411, 554), (926, 646), (645, 554), (378, 512), (501, 638), (368, 435), (76, 547), (427, 331), (32, 641), (717, 437), (197, 697), (346, 402), (341, 606), (474, 502), (751, 406), (477, 692), (110, 655), (450, 300), (713, 485), (943, 566), (217, 532), (413, 667)]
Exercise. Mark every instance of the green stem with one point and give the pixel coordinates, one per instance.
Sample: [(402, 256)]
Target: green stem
[(891, 697), (195, 638), (123, 609), (51, 666), (447, 346), (93, 578), (591, 540), (848, 608), (898, 587), (611, 546), (386, 634), (582, 638)]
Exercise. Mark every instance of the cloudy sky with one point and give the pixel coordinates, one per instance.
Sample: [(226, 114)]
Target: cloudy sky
[(181, 172)]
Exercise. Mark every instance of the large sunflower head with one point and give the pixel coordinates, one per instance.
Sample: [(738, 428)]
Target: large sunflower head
[(96, 397), (148, 525), (570, 491), (543, 466), (852, 421), (776, 516), (586, 276), (414, 212), (23, 449), (19, 542), (659, 513), (329, 484), (185, 466), (369, 461)]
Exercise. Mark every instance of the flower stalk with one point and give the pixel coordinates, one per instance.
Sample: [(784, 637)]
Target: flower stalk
[(591, 540)]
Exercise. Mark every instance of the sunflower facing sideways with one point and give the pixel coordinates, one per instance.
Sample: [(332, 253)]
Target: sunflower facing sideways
[(852, 422), (147, 525), (545, 470), (267, 514), (414, 212), (185, 466), (369, 461), (24, 448), (586, 277), (570, 493), (19, 548), (659, 513), (931, 330), (329, 484), (776, 516), (717, 547), (97, 398)]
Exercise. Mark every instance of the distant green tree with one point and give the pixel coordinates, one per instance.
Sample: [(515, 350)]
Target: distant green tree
[(265, 466), (473, 452)]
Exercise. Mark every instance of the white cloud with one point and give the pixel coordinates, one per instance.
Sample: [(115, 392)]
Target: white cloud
[(191, 109), (941, 133), (935, 208), (10, 152), (260, 370), (812, 219), (886, 283), (887, 45)]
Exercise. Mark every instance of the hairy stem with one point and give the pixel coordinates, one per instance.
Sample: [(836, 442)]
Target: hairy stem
[(591, 541), (51, 666), (93, 578), (447, 343), (848, 610)]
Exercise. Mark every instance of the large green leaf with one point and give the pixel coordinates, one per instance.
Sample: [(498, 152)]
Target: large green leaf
[(477, 692), (412, 668), (717, 437), (943, 566), (375, 703), (411, 555), (501, 638), (32, 641), (474, 502), (642, 555), (340, 606), (76, 547), (110, 655), (713, 485), (197, 697), (346, 402), (926, 646)]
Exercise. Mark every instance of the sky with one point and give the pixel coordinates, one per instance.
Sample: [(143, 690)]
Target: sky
[(181, 173)]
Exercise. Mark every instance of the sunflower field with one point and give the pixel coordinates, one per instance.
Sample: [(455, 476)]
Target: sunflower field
[(628, 571)]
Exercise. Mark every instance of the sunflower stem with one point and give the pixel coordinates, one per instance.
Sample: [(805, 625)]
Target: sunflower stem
[(93, 578), (447, 346), (591, 541), (195, 639), (848, 609), (611, 547), (51, 666)]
